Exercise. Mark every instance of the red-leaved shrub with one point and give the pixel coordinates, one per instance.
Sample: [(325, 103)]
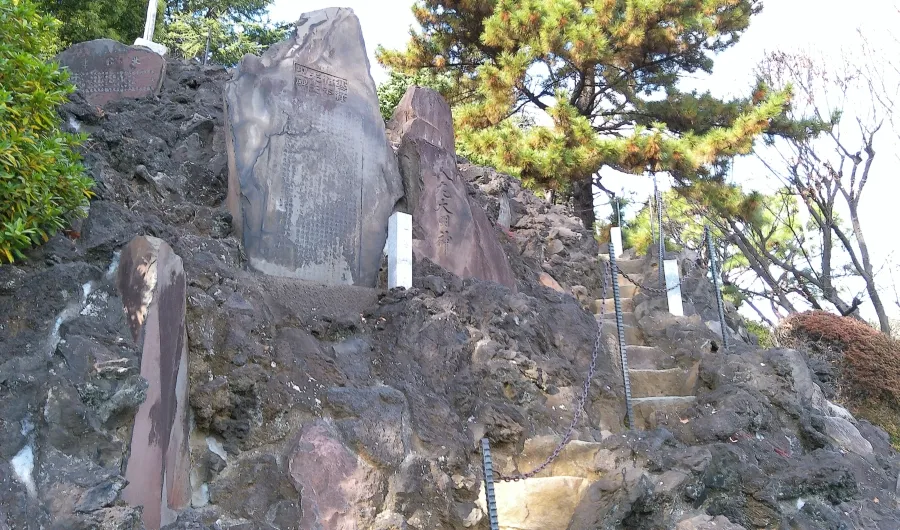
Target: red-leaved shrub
[(870, 366)]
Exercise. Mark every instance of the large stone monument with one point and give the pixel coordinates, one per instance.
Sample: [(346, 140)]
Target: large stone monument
[(448, 228), (152, 284), (312, 177), (105, 70)]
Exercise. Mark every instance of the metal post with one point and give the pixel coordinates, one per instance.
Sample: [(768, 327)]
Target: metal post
[(489, 494), (620, 327), (618, 213), (150, 24), (662, 244), (715, 277), (206, 53)]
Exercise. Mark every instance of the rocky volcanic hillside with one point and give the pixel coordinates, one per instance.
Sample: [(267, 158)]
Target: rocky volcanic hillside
[(349, 408)]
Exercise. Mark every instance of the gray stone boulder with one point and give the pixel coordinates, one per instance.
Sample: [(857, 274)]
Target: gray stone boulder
[(449, 228), (312, 177)]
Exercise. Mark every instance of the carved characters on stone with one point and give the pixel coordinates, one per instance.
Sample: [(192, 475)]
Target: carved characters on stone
[(312, 177), (448, 228), (104, 70)]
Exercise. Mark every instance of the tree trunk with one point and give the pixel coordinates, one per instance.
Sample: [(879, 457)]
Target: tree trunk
[(583, 195), (868, 272)]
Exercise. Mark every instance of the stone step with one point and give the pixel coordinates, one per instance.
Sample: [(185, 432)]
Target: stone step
[(625, 282), (627, 317), (609, 305), (627, 291), (633, 335), (658, 383), (648, 358), (648, 410), (539, 503), (628, 266)]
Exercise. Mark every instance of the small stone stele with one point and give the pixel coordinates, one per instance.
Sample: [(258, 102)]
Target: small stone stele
[(312, 177), (105, 70), (152, 285), (449, 228)]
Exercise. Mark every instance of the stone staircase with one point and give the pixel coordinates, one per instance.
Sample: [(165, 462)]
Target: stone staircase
[(658, 385), (660, 388)]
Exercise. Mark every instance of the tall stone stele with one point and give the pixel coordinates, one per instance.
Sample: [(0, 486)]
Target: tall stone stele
[(312, 177), (152, 284), (449, 228)]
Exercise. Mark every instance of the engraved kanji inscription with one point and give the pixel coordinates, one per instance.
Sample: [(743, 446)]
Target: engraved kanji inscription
[(104, 70), (312, 177), (443, 208), (311, 81)]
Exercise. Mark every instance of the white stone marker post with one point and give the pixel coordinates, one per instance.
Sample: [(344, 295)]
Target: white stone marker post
[(615, 239), (399, 251), (673, 287), (149, 28), (150, 25)]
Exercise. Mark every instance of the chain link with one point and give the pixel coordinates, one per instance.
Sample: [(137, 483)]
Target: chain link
[(655, 290), (598, 344)]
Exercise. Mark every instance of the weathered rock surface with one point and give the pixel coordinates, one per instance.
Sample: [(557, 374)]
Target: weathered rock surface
[(105, 70), (424, 115), (393, 388), (534, 225), (705, 522), (312, 178), (448, 228), (152, 285)]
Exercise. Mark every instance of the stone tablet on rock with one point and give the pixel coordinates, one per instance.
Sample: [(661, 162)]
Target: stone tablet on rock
[(152, 284), (312, 177), (105, 70), (448, 228)]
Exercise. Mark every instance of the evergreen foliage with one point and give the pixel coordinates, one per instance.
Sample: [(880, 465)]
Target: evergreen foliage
[(234, 28), (41, 177), (121, 20), (770, 222), (391, 91), (604, 71)]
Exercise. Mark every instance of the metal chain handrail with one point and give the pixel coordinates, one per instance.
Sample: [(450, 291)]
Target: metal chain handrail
[(651, 290), (598, 343), (655, 290)]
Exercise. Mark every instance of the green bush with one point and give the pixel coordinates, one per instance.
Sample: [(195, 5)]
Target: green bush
[(762, 332), (41, 178), (392, 91)]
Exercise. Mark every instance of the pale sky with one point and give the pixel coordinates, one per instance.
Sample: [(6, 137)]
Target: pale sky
[(819, 25)]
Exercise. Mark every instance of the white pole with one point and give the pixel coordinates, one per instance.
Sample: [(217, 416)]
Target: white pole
[(150, 25), (673, 287), (615, 239), (399, 251)]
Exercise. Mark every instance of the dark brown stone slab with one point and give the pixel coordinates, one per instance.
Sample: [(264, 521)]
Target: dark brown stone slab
[(152, 284), (448, 228), (312, 177), (105, 70)]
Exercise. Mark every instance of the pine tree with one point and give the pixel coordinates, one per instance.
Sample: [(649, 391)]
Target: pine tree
[(605, 72), (233, 27)]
